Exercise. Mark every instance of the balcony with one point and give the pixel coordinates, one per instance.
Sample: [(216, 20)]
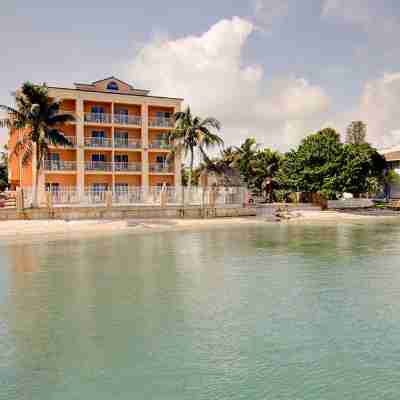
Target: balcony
[(71, 139), (127, 166), (125, 143), (123, 119), (98, 142), (160, 144), (161, 122), (102, 166), (163, 168), (58, 165), (98, 118)]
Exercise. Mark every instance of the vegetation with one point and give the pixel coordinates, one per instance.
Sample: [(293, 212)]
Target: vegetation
[(193, 134), (3, 169), (321, 164), (40, 119), (356, 133)]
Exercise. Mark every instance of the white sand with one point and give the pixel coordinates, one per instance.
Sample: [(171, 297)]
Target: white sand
[(59, 229)]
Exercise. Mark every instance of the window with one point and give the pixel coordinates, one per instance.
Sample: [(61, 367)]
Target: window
[(99, 187), (98, 134), (98, 157), (121, 158), (112, 86), (161, 160), (54, 156), (163, 114), (97, 110)]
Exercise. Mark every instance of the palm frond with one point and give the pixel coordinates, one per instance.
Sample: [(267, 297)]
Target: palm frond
[(54, 136), (60, 119)]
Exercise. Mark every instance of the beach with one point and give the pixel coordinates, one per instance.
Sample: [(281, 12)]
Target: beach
[(37, 230)]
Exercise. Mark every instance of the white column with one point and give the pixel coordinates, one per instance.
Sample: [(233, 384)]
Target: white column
[(112, 151), (80, 152), (145, 152)]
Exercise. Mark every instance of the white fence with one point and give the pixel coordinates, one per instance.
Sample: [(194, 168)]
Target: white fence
[(136, 195)]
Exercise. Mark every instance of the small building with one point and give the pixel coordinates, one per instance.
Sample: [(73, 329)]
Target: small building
[(392, 157)]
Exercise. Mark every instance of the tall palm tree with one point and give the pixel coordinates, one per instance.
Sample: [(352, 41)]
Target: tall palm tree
[(40, 120), (193, 134)]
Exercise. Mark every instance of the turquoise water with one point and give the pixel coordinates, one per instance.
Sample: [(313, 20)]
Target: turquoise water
[(275, 312)]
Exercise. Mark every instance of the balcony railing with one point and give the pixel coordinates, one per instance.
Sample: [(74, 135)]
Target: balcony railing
[(161, 168), (98, 118), (71, 139), (124, 119), (98, 142), (98, 166), (124, 143), (161, 122), (127, 166), (58, 165), (160, 144)]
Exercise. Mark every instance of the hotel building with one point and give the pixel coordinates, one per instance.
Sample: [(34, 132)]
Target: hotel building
[(119, 141)]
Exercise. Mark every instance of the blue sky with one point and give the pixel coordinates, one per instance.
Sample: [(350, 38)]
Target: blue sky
[(273, 69)]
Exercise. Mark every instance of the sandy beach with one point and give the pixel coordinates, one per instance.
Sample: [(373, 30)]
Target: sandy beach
[(39, 230)]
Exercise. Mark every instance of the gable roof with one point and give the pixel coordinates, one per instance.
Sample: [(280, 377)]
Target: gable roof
[(112, 78)]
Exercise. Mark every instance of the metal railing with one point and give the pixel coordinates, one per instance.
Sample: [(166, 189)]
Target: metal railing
[(127, 166), (123, 119), (94, 196), (98, 118), (71, 139), (64, 195), (98, 166), (124, 143), (161, 122), (160, 144), (58, 165), (163, 168), (98, 142), (128, 195)]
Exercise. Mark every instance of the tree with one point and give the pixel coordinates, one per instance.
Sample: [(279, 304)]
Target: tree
[(193, 134), (315, 165), (3, 169), (356, 133), (360, 165), (40, 120)]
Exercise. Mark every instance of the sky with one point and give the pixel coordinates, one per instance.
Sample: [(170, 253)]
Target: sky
[(275, 70)]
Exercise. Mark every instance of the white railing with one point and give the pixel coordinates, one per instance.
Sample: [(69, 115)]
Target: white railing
[(58, 165), (161, 168), (161, 122), (94, 196), (123, 119), (128, 195), (98, 118), (127, 166), (160, 144), (98, 142), (64, 195), (98, 166), (123, 143)]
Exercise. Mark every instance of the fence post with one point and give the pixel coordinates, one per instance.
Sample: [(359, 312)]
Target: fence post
[(49, 200), (19, 199), (163, 196), (109, 199)]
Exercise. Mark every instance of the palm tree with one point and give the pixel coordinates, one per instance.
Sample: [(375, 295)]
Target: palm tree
[(191, 134), (40, 120)]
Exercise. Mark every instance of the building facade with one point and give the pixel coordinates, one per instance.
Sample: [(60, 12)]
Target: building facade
[(119, 139)]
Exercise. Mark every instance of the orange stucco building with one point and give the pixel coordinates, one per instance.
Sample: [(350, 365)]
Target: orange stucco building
[(118, 137)]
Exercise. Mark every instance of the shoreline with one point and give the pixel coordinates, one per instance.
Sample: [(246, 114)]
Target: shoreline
[(49, 230)]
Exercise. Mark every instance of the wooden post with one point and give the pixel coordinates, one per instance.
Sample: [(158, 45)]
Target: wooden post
[(109, 199)]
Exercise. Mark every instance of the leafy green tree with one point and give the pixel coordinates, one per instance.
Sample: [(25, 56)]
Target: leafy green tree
[(193, 134), (315, 165), (3, 169), (356, 133), (361, 164), (41, 120)]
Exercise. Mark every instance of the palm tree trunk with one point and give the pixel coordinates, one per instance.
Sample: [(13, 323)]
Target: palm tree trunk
[(190, 173), (35, 202)]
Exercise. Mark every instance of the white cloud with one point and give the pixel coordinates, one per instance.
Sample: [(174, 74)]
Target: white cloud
[(268, 12), (209, 72), (370, 15), (379, 107)]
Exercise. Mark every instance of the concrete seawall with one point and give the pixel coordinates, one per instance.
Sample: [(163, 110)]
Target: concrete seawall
[(125, 212)]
